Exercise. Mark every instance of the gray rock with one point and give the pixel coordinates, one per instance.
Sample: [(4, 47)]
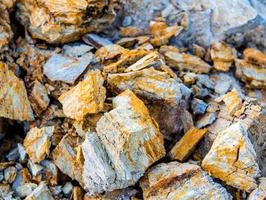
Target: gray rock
[(260, 6), (42, 192), (1, 176), (76, 49), (204, 81), (10, 174), (206, 120), (67, 188), (198, 106), (127, 21), (96, 40)]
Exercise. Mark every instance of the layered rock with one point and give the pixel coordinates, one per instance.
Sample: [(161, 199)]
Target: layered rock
[(87, 97), (127, 142), (64, 21), (233, 159), (180, 181), (14, 102)]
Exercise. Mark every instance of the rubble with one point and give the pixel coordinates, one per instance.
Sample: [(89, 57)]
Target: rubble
[(233, 102), (232, 158), (260, 192), (14, 100), (41, 192), (129, 122), (86, 97), (180, 180)]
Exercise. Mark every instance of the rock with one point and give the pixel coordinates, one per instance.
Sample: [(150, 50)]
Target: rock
[(14, 104), (233, 101), (206, 119), (37, 143), (76, 49), (66, 68), (184, 62), (150, 84), (17, 154), (232, 158), (67, 189), (87, 97), (96, 40), (222, 56), (180, 181), (127, 142), (1, 176), (198, 106), (5, 190), (260, 192), (186, 145), (35, 169), (68, 157), (39, 98), (42, 192), (222, 86), (252, 69), (77, 193), (10, 174), (199, 51), (63, 21), (49, 172), (204, 81)]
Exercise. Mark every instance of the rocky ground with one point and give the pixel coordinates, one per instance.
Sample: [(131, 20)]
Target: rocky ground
[(132, 99)]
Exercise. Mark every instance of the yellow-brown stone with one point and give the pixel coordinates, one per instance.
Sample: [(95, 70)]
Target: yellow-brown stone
[(233, 102)]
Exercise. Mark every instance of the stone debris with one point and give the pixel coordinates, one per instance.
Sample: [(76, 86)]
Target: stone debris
[(40, 193), (233, 102), (38, 142), (127, 132), (87, 97), (180, 181), (260, 192), (206, 120), (14, 102), (186, 145), (232, 158)]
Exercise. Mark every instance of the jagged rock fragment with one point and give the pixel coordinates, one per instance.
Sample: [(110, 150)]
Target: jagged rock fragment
[(76, 49), (233, 102), (222, 56), (185, 62), (67, 156), (206, 120), (198, 106), (14, 102), (40, 193), (260, 192), (65, 68), (232, 158), (96, 40), (127, 142), (255, 57), (10, 174), (150, 84), (39, 98), (184, 147), (37, 143), (61, 21), (180, 181), (126, 194), (87, 97)]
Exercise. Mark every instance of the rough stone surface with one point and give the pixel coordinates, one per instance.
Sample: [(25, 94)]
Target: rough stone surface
[(180, 181), (260, 192), (40, 193), (127, 142), (37, 143), (14, 102), (232, 158), (87, 97), (233, 102)]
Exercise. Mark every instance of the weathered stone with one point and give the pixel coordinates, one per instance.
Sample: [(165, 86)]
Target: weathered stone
[(67, 156), (63, 21), (14, 102), (180, 181), (76, 49), (10, 174), (206, 120), (222, 56), (260, 192), (87, 97), (232, 158), (186, 145), (150, 84), (66, 68), (127, 142), (37, 143), (67, 188), (233, 102), (96, 40), (42, 192), (198, 106), (255, 57), (183, 61), (77, 193), (123, 194), (39, 98)]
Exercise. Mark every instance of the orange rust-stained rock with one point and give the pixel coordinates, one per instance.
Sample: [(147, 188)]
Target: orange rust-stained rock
[(222, 56), (255, 57), (87, 97), (186, 62), (233, 102), (184, 147), (37, 143), (180, 181), (14, 103), (61, 21), (232, 158)]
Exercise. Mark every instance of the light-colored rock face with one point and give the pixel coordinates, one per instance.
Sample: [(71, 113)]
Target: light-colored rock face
[(87, 97), (252, 70), (180, 181), (14, 102), (67, 156), (66, 68), (260, 192), (186, 62), (42, 192), (127, 142), (233, 102), (37, 143), (222, 56), (232, 158), (150, 84), (60, 21)]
